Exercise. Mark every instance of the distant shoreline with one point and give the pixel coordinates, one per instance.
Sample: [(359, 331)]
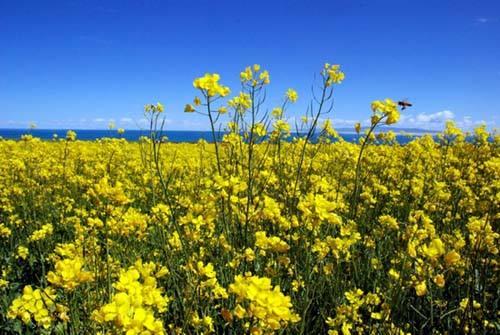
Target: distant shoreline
[(174, 136), (344, 130)]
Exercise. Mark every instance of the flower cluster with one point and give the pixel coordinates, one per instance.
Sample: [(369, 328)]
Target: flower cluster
[(273, 243), (332, 74), (36, 304), (43, 232), (241, 102), (4, 231), (359, 310), (153, 109), (209, 85), (208, 284), (132, 222), (268, 308), (69, 274), (132, 309), (292, 95), (22, 252), (387, 108), (253, 76), (70, 135)]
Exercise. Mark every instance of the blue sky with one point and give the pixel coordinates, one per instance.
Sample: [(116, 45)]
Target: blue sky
[(79, 64)]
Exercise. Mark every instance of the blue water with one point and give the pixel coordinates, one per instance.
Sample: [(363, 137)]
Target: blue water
[(134, 135), (91, 134)]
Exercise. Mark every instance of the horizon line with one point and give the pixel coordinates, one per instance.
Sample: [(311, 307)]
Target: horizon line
[(114, 130)]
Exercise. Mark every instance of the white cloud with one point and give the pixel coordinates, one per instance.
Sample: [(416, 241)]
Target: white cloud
[(429, 121), (437, 121), (482, 20), (438, 117)]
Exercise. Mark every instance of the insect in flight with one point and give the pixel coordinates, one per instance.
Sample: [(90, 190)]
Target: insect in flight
[(404, 104)]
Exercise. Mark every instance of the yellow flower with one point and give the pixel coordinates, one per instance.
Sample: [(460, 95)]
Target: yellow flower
[(4, 231), (246, 75), (439, 280), (70, 135), (69, 274), (239, 311), (394, 274), (37, 304), (174, 241), (332, 74), (22, 252), (434, 249), (277, 112), (297, 284), (346, 328), (209, 85), (291, 95), (189, 108), (267, 304), (387, 108), (132, 222), (357, 127), (264, 77), (132, 309), (354, 296), (260, 129), (281, 128), (249, 254), (159, 107), (109, 194), (421, 288), (43, 232), (270, 243), (388, 221), (3, 283), (452, 258), (241, 102)]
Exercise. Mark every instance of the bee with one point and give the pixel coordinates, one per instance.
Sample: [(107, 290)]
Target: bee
[(404, 104)]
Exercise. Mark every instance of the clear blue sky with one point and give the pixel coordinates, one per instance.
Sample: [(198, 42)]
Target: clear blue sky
[(78, 64)]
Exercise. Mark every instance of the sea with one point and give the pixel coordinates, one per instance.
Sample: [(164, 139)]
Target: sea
[(134, 135)]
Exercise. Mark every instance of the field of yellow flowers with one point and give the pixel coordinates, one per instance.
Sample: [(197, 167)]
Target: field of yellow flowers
[(257, 233)]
